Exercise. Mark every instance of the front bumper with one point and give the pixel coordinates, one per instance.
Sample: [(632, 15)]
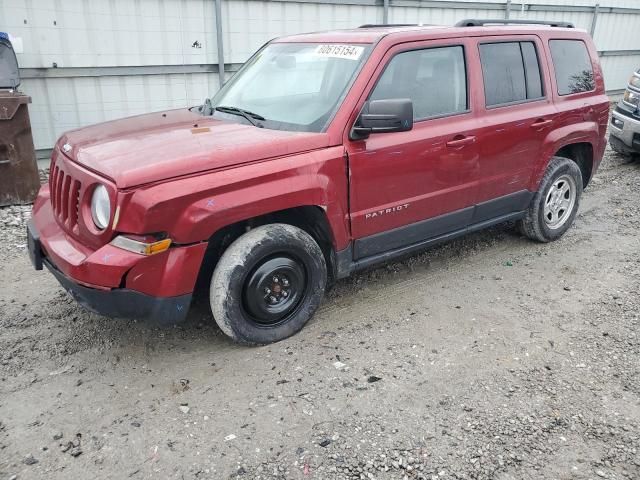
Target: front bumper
[(626, 138), (124, 303), (117, 302), (111, 281)]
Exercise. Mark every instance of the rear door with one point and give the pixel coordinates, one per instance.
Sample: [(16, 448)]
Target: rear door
[(518, 113), (409, 186)]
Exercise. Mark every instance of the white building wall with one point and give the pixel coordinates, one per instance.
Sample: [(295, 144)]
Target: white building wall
[(248, 24), (86, 61)]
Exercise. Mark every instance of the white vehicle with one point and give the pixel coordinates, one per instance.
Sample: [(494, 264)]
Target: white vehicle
[(624, 135)]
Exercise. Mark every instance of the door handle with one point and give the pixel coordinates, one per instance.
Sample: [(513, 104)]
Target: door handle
[(460, 141), (541, 123)]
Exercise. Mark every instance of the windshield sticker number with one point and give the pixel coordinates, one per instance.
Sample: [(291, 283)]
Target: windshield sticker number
[(349, 52)]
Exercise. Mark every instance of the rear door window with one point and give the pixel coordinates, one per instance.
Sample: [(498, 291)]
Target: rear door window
[(511, 72), (572, 66)]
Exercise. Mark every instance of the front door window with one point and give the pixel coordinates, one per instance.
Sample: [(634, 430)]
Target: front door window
[(434, 79)]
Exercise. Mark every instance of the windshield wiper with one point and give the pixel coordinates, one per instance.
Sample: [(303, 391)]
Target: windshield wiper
[(249, 116)]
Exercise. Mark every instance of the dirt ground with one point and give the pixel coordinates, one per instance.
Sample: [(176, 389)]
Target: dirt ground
[(491, 357)]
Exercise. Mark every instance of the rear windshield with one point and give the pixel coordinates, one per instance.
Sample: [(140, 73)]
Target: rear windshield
[(572, 66)]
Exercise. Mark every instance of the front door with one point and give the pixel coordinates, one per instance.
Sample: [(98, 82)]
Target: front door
[(406, 187)]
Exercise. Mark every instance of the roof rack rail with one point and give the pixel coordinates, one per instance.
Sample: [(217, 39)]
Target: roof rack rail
[(375, 25), (470, 22)]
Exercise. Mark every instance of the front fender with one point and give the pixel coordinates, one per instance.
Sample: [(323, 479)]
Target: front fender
[(192, 209), (582, 132)]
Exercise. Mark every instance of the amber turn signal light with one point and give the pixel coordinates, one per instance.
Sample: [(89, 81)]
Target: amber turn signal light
[(141, 247)]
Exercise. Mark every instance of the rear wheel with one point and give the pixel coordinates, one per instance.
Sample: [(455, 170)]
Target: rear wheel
[(268, 284), (555, 205)]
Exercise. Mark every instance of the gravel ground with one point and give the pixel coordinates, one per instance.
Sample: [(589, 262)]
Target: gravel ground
[(491, 357)]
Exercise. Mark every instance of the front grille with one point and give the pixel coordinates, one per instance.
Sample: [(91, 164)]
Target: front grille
[(65, 198), (70, 189)]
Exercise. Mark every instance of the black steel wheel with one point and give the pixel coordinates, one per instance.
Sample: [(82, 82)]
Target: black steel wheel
[(274, 288)]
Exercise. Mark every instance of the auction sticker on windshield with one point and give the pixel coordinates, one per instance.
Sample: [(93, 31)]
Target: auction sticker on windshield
[(350, 52)]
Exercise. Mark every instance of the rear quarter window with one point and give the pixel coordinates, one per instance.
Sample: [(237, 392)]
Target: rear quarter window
[(572, 66)]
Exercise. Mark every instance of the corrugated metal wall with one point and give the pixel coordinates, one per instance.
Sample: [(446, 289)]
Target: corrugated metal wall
[(86, 61)]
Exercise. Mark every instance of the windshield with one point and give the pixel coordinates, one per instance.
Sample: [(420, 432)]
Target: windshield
[(294, 86)]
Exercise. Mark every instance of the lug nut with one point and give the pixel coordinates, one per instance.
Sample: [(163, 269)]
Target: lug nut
[(273, 299), (285, 293), (267, 290)]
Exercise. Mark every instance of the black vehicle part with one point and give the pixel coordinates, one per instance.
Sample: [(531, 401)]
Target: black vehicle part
[(470, 22)]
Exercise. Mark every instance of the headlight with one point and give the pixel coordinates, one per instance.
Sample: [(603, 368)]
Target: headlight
[(100, 207), (634, 81), (632, 98)]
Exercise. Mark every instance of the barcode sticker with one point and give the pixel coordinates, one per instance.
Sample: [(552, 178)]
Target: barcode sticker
[(350, 52)]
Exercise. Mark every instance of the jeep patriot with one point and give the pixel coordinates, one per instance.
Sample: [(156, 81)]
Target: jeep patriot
[(324, 154)]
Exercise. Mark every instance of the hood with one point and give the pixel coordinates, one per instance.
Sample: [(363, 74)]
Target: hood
[(157, 146)]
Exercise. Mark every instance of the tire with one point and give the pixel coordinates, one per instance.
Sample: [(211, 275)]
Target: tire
[(555, 205), (268, 284)]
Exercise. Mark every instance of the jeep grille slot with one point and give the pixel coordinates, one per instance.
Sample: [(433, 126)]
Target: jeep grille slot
[(65, 198)]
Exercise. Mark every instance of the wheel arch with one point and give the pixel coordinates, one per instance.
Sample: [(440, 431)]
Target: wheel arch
[(310, 218), (576, 142), (582, 154)]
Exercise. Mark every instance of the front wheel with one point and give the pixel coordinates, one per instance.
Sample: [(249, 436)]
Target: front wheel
[(268, 284), (555, 205)]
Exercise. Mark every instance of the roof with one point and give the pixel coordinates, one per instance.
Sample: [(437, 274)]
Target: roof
[(354, 35), (374, 34)]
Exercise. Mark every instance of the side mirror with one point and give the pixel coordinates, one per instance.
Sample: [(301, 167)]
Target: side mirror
[(389, 115)]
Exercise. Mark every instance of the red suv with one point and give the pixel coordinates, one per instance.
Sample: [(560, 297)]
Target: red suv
[(326, 153)]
